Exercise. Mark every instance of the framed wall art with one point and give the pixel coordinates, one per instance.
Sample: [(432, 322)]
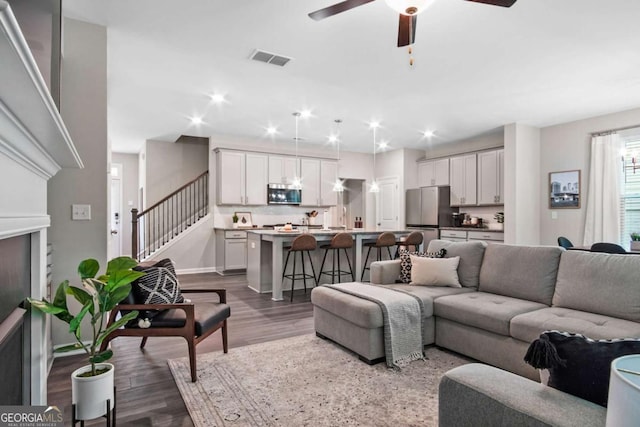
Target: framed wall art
[(564, 190), (244, 220)]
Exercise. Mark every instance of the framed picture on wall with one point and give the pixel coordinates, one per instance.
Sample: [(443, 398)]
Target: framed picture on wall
[(564, 190)]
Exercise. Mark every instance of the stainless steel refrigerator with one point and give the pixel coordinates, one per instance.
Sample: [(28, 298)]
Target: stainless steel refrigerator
[(427, 209)]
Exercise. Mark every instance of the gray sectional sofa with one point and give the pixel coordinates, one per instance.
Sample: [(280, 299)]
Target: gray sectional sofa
[(509, 296)]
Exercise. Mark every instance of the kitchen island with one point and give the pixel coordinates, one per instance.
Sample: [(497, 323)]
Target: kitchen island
[(265, 255)]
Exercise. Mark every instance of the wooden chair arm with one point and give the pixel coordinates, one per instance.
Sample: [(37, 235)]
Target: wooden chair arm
[(186, 307), (222, 293)]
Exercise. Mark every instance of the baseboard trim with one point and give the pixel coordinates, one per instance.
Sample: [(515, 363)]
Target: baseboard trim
[(196, 270)]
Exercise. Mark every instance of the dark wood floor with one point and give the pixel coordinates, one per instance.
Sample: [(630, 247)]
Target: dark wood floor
[(146, 392)]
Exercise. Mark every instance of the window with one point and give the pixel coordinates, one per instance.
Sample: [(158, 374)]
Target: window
[(630, 213)]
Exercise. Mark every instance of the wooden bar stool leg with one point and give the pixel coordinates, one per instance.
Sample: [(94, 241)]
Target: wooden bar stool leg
[(353, 276)]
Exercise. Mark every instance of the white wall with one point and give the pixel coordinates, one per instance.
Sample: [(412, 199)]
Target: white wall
[(170, 165), (130, 168), (566, 147), (477, 143), (84, 110)]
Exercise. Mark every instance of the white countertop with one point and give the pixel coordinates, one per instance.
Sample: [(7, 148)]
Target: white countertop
[(482, 229), (325, 232)]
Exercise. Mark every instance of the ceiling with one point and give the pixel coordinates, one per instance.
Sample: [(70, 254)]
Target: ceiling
[(477, 68)]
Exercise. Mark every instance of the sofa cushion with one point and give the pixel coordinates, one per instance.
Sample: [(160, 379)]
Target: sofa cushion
[(435, 272), (599, 283), (470, 253), (525, 272), (405, 261), (528, 326), (430, 292), (361, 312), (482, 310), (577, 364)]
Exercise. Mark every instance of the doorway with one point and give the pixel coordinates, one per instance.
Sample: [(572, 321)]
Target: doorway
[(115, 216), (387, 204)]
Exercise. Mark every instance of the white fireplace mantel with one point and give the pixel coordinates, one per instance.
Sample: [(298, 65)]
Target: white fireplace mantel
[(34, 146)]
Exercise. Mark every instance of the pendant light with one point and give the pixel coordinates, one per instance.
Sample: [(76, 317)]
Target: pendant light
[(338, 185), (374, 185), (297, 181)]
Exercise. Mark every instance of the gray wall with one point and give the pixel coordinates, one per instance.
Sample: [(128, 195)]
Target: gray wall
[(84, 110), (130, 193), (170, 165)]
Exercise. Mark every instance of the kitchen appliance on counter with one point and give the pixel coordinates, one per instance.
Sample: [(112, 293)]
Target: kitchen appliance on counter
[(283, 194), (458, 218), (427, 209)]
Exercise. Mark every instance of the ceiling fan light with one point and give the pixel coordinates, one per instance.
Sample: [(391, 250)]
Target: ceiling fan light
[(409, 7), (338, 186), (375, 188)]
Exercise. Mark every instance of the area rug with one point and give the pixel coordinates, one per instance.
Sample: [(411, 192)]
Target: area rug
[(305, 381)]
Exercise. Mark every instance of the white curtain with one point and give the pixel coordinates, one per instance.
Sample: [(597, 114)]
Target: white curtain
[(605, 187)]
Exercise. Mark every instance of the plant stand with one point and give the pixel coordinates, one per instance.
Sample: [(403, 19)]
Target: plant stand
[(110, 415)]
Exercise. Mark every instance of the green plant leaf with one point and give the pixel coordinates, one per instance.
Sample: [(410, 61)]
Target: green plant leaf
[(45, 306), (115, 296), (74, 325), (121, 278), (60, 299), (120, 263), (70, 347), (80, 295), (115, 325), (101, 357), (88, 268)]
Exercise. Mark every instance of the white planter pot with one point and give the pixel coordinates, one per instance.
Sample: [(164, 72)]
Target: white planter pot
[(635, 245), (90, 394)]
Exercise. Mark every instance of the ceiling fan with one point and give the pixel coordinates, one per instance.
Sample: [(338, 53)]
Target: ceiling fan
[(408, 9)]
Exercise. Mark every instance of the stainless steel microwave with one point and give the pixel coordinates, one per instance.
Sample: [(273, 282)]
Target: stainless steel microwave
[(283, 194)]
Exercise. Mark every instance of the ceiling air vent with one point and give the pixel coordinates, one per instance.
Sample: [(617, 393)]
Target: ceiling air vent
[(269, 58)]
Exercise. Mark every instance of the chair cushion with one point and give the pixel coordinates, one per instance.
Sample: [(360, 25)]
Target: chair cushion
[(579, 365), (482, 310), (528, 326), (405, 261), (159, 285), (207, 315)]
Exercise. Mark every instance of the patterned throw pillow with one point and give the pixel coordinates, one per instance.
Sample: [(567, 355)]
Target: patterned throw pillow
[(405, 261), (159, 285), (579, 365)]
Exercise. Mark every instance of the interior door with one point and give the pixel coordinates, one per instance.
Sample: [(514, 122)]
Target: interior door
[(387, 204), (115, 229)]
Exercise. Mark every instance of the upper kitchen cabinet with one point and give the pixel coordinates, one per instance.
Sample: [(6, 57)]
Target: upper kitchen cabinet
[(282, 169), (317, 182), (463, 180), (433, 172), (242, 178), (491, 177)]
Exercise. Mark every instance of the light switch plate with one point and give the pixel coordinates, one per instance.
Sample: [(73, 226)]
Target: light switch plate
[(554, 215), (80, 212)]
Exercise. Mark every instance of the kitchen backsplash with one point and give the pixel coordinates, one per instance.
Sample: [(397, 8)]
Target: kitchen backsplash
[(484, 212), (269, 215)]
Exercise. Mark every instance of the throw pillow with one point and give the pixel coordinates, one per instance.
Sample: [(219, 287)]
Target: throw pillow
[(159, 285), (435, 272), (579, 365), (405, 261)]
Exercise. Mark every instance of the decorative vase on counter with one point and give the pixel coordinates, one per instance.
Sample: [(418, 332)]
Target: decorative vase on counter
[(312, 220)]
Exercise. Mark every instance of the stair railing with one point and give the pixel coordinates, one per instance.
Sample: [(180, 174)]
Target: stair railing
[(157, 225)]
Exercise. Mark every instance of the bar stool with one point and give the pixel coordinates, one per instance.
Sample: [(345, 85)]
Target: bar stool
[(384, 240), (301, 244), (342, 241), (414, 239)]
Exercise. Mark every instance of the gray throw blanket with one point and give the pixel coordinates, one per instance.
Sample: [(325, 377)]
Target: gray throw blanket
[(402, 320)]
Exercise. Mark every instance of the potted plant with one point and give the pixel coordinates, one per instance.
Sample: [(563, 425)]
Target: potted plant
[(235, 218), (635, 242), (92, 384)]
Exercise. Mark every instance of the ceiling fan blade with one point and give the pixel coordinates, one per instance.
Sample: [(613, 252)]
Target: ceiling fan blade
[(337, 8), (407, 30), (503, 3)]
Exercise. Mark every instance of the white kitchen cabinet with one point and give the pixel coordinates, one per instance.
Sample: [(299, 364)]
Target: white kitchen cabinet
[(318, 177), (283, 169), (242, 178), (491, 177), (231, 251), (433, 172), (463, 180), (470, 235)]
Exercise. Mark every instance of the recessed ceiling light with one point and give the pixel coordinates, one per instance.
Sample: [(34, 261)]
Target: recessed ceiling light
[(305, 114), (383, 145), (272, 130), (217, 98), (333, 139), (374, 125), (428, 133), (196, 120)]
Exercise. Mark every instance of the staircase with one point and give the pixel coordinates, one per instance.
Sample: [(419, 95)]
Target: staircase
[(159, 224)]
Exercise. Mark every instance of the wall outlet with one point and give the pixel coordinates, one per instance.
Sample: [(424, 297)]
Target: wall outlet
[(554, 215), (80, 212)]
